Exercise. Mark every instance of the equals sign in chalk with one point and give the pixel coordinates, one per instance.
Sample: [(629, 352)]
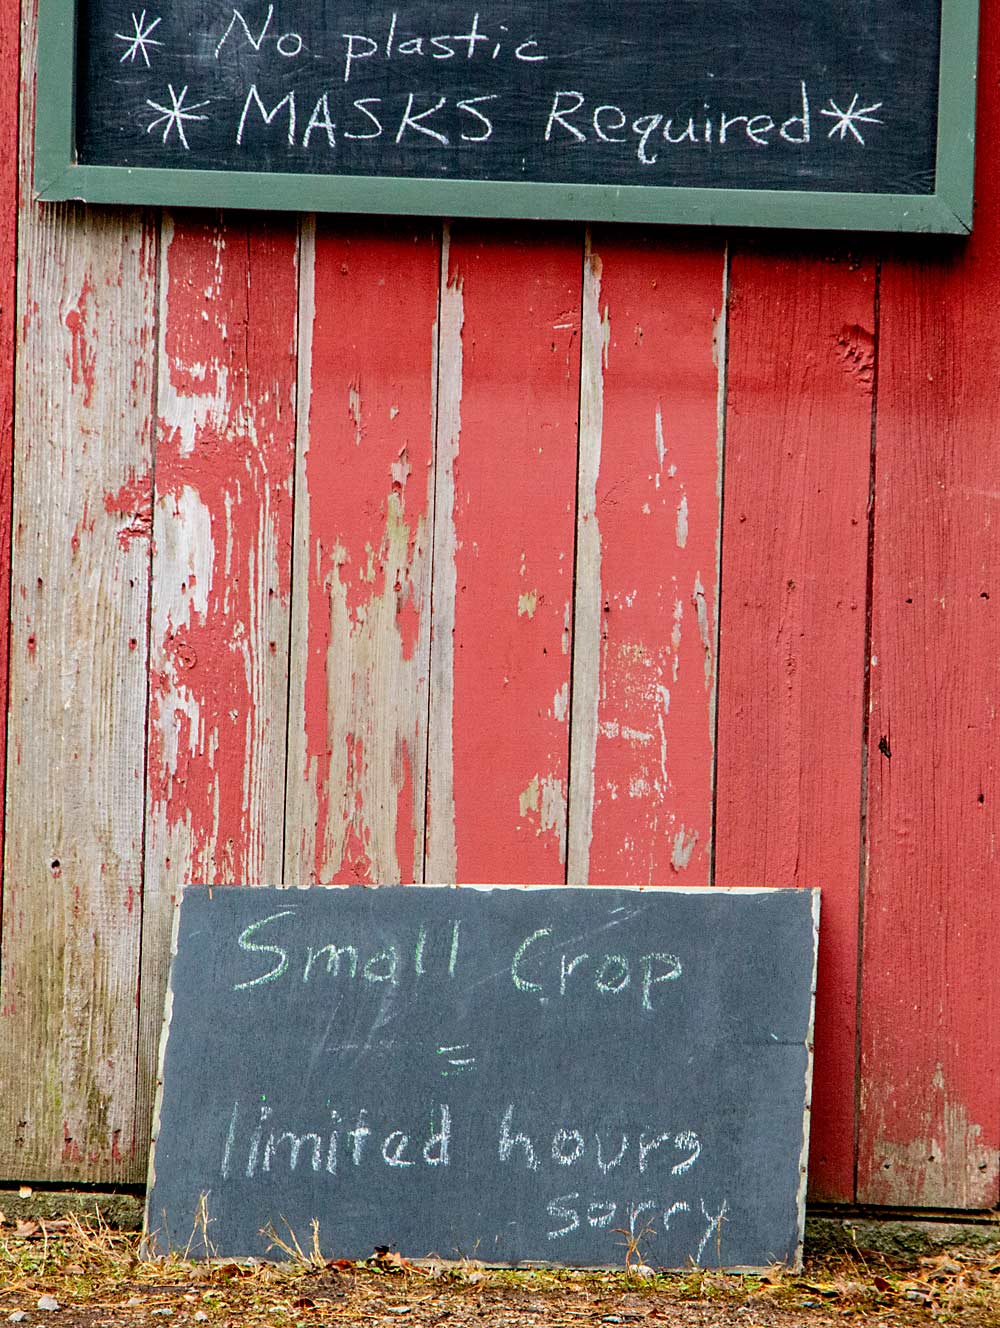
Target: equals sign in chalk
[(456, 1064)]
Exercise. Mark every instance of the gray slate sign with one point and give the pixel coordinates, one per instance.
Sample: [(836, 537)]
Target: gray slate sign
[(502, 1074)]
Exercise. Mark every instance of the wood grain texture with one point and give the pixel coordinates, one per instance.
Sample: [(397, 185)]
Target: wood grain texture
[(791, 667), (930, 1111), (503, 559), (358, 738), (647, 554), (71, 913), (10, 34), (222, 527)]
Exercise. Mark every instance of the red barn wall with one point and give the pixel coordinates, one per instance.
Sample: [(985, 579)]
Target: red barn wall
[(387, 550)]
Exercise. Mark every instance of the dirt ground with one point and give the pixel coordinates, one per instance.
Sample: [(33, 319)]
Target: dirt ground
[(68, 1274)]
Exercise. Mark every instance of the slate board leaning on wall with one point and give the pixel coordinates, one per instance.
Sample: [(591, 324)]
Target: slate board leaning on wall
[(500, 1073)]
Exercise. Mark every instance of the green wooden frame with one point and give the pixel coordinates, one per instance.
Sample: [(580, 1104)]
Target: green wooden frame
[(58, 176)]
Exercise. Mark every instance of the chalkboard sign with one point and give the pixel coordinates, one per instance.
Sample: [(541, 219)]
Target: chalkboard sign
[(778, 112), (505, 1074)]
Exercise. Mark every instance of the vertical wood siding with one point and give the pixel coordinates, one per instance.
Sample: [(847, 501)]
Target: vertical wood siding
[(73, 878), (503, 564), (930, 1109), (792, 659), (359, 659), (361, 550), (222, 531), (647, 552), (10, 87)]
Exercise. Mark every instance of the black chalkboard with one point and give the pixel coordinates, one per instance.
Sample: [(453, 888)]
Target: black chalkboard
[(502, 1074), (576, 108)]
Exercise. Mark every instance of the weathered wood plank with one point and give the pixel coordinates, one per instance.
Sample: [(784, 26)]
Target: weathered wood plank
[(222, 525), (10, 35), (358, 731), (503, 555), (791, 666), (647, 554), (930, 1111), (71, 915)]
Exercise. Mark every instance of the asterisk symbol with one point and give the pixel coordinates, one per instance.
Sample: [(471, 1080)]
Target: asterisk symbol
[(174, 116), (140, 39), (850, 119)]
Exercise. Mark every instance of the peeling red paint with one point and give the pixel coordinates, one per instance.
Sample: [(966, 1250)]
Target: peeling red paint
[(514, 518), (82, 360), (656, 488), (71, 1151), (408, 622), (367, 554), (223, 482), (133, 501)]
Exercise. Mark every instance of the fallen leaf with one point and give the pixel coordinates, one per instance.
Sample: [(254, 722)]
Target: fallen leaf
[(820, 1290), (26, 1228), (304, 1303), (389, 1260), (881, 1284), (942, 1265)]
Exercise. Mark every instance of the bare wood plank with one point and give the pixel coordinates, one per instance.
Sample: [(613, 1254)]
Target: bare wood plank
[(440, 847), (358, 733), (791, 693), (221, 574), (930, 1111), (647, 553), (71, 915), (503, 571), (10, 34)]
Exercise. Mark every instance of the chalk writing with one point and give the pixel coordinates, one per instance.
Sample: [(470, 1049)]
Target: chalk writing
[(456, 1064), (573, 1211), (341, 958), (570, 1146), (175, 116), (572, 94), (539, 966), (445, 46), (141, 39), (534, 1074), (268, 1147), (610, 974), (848, 121)]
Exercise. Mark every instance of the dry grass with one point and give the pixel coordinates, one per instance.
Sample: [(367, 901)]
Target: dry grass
[(97, 1278)]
